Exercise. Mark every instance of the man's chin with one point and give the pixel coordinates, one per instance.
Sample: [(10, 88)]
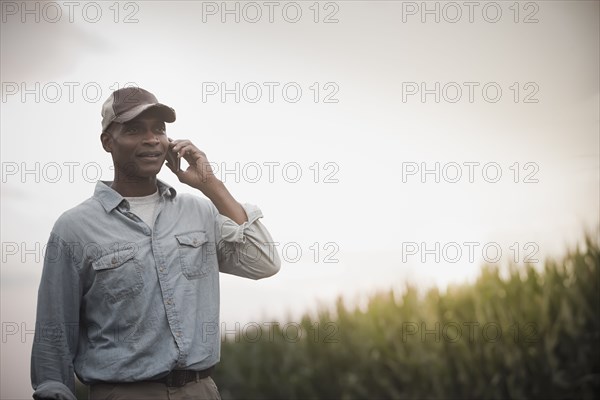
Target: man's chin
[(139, 173), (142, 168)]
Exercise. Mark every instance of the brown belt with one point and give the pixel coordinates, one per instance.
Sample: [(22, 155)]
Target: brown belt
[(180, 377)]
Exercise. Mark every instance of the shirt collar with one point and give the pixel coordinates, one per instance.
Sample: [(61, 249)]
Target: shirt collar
[(110, 198)]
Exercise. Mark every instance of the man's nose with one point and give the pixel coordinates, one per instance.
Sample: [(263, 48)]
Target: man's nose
[(150, 137)]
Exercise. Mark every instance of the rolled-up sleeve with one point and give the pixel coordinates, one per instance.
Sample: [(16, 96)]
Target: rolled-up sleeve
[(52, 390), (246, 250), (57, 325)]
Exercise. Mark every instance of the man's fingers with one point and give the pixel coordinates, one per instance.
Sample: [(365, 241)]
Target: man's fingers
[(182, 151), (177, 145), (190, 153)]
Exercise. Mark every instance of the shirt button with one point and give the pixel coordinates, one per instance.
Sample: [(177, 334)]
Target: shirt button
[(178, 334), (114, 260), (195, 242), (169, 302)]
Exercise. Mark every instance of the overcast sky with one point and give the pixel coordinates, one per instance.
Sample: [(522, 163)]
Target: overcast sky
[(371, 135)]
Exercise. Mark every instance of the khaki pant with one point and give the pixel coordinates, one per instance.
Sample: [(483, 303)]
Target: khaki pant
[(195, 390)]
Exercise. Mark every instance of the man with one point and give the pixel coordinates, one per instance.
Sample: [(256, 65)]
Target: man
[(129, 295)]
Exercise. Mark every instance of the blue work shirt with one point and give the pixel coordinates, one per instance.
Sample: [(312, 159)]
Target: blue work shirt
[(121, 301)]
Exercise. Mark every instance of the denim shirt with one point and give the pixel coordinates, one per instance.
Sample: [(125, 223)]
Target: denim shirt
[(121, 301)]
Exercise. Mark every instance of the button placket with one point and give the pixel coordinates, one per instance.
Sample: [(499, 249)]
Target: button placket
[(167, 291)]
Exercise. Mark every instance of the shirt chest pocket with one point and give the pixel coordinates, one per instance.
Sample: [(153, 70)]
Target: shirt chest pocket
[(119, 276), (197, 255)]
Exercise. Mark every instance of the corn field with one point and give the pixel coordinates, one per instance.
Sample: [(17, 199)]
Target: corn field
[(523, 334)]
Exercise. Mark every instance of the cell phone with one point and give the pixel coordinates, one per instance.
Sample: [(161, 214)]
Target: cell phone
[(173, 159)]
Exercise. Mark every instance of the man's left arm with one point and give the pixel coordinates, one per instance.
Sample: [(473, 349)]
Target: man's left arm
[(227, 206), (245, 246)]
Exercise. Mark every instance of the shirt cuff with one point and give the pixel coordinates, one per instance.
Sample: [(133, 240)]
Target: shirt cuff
[(53, 390), (231, 231)]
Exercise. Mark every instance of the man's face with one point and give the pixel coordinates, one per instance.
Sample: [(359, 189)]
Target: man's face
[(138, 147)]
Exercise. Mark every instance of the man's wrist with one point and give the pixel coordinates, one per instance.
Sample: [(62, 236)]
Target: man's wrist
[(226, 205), (214, 189)]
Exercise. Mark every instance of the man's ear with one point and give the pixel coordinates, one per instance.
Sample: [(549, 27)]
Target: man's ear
[(106, 140)]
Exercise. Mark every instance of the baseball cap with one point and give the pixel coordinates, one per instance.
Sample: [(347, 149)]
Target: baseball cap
[(127, 103)]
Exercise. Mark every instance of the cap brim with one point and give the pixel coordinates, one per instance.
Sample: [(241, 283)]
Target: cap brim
[(166, 113)]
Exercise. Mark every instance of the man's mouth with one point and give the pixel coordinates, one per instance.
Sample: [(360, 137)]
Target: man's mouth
[(150, 154)]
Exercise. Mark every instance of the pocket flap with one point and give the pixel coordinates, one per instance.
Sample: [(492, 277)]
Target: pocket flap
[(113, 260), (193, 239)]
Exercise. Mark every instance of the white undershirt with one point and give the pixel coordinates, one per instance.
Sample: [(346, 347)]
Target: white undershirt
[(144, 207)]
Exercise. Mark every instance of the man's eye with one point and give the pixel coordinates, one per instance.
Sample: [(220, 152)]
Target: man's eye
[(160, 129), (131, 129)]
